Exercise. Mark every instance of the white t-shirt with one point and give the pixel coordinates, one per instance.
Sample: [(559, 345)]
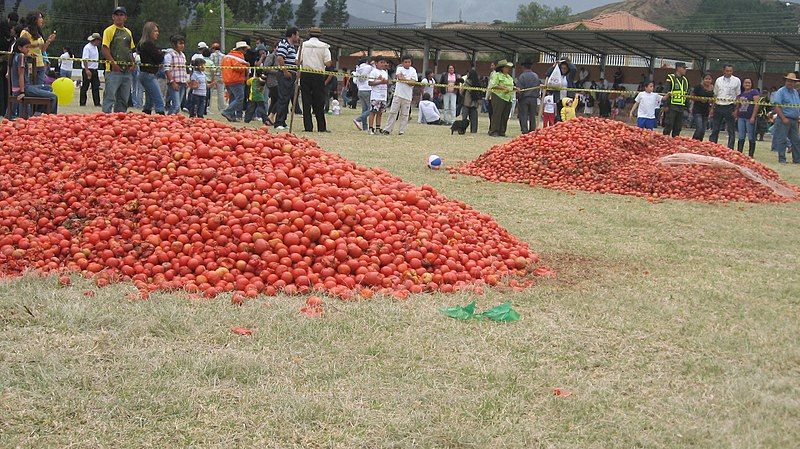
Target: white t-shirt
[(379, 91), (65, 62), (428, 88), (403, 90), (549, 104), (90, 52), (648, 103), (360, 76), (202, 86), (428, 111)]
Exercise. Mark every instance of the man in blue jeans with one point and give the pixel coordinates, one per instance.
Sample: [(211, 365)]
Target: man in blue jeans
[(786, 119), (118, 51), (286, 57)]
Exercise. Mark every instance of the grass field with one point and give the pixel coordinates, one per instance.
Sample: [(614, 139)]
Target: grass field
[(673, 324)]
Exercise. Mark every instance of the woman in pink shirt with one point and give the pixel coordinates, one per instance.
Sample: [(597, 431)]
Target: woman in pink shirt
[(449, 94)]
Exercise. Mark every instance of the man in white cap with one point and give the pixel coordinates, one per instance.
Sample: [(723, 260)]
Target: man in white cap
[(316, 55), (89, 76), (234, 75), (200, 47)]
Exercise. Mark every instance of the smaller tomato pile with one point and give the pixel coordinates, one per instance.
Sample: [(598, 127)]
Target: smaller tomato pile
[(599, 155), (172, 203)]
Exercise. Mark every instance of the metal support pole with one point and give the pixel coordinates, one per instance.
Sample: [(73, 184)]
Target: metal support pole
[(426, 57), (652, 68), (474, 58), (762, 70), (603, 59), (338, 57), (222, 25), (436, 63), (514, 68), (707, 65), (369, 52)]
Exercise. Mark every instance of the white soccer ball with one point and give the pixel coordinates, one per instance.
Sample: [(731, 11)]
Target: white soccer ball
[(434, 162)]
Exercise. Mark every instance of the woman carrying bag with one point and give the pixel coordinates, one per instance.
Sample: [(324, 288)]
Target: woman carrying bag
[(501, 85)]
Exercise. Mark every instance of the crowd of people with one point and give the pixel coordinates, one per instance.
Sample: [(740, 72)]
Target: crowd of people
[(259, 83)]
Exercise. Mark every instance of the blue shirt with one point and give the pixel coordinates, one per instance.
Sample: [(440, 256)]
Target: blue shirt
[(788, 96)]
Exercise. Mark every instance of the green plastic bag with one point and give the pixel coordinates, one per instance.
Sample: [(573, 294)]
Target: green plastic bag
[(460, 313), (503, 313)]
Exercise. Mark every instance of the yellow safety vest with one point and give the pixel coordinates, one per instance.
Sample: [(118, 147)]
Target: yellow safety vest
[(680, 87)]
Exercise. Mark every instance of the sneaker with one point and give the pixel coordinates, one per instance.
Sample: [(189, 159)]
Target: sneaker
[(280, 128), (400, 134), (358, 124), (228, 117), (371, 131), (385, 133)]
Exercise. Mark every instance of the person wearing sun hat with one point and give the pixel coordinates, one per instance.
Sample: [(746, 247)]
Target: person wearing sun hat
[(316, 55), (501, 87), (89, 74), (234, 75), (787, 110)]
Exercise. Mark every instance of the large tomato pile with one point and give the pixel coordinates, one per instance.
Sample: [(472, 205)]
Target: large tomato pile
[(599, 155), (173, 203)]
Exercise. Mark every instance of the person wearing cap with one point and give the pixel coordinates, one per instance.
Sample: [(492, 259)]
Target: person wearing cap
[(118, 49), (501, 85), (215, 80), (316, 55), (89, 74), (234, 75), (528, 82), (787, 113), (199, 54), (286, 56), (677, 90), (726, 88)]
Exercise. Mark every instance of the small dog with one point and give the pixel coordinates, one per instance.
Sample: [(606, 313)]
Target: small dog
[(459, 126)]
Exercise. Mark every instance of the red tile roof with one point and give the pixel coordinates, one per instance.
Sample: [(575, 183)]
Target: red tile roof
[(620, 20)]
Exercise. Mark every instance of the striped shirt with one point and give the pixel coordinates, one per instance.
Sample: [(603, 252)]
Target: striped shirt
[(287, 51)]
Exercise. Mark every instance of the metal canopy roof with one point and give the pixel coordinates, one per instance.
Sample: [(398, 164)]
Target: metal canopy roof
[(697, 45)]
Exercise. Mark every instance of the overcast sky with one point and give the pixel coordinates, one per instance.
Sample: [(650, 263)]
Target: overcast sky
[(409, 11)]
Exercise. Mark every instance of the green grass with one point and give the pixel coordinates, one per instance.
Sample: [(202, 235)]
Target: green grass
[(674, 325)]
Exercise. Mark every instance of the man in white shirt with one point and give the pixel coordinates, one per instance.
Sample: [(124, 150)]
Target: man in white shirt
[(726, 88), (403, 92), (314, 55), (361, 78), (379, 81), (89, 75), (199, 55), (428, 112)]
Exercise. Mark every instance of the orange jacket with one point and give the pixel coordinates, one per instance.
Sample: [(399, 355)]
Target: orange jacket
[(231, 71)]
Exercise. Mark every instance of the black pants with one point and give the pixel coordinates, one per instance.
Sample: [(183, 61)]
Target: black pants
[(501, 109), (285, 93), (723, 113), (673, 121), (527, 114), (95, 85), (273, 99), (315, 95), (471, 113), (3, 88)]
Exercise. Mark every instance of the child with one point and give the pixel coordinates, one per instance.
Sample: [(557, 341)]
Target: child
[(177, 75), (567, 109), (614, 108), (20, 75), (335, 108), (379, 81), (548, 110), (647, 103), (199, 87), (255, 105), (588, 110), (428, 112)]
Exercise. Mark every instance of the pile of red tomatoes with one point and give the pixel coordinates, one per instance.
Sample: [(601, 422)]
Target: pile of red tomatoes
[(172, 203), (599, 155)]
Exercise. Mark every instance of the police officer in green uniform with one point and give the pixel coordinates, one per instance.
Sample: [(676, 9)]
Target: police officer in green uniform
[(677, 89)]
